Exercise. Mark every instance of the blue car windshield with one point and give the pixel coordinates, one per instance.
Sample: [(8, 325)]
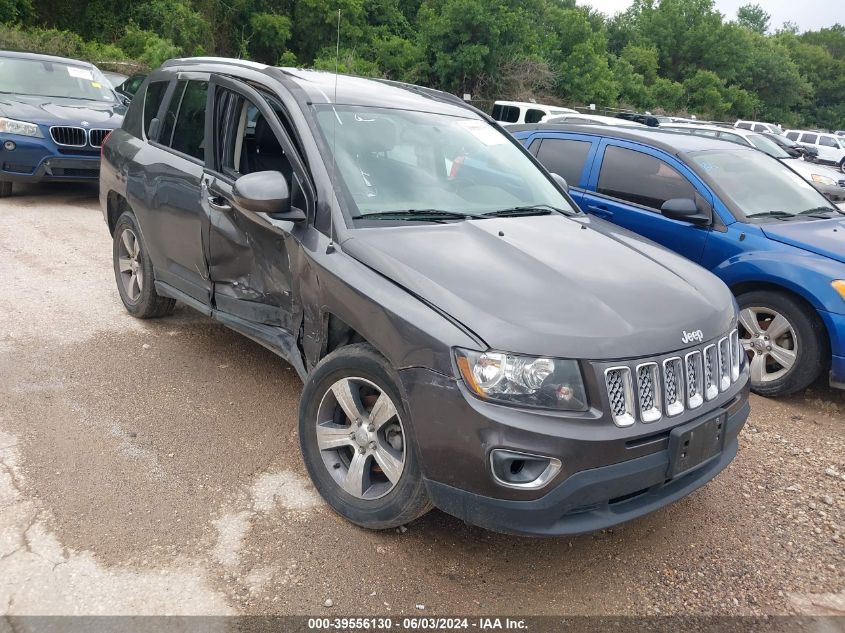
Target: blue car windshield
[(399, 161), (41, 78), (760, 186)]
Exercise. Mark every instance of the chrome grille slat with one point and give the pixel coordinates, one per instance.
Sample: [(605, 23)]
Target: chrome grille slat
[(648, 392), (69, 136), (736, 354), (621, 394), (695, 379), (673, 385), (711, 381), (724, 364)]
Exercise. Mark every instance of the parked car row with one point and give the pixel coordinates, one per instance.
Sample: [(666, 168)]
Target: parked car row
[(467, 336)]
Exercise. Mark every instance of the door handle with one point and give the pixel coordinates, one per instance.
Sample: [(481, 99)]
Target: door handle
[(219, 203), (602, 212)]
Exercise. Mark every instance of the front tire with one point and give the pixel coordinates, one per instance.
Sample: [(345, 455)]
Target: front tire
[(133, 271), (784, 341), (355, 440)]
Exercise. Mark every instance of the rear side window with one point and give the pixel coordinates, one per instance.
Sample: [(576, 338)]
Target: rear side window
[(152, 101), (506, 113), (733, 138), (759, 127), (744, 126), (809, 138), (534, 116), (564, 157), (828, 141), (640, 178), (792, 136), (184, 123)]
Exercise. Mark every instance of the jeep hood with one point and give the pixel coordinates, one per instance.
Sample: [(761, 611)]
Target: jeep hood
[(62, 111), (551, 285), (822, 237)]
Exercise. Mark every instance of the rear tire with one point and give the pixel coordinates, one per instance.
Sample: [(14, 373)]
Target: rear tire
[(133, 271), (5, 188), (842, 165), (784, 340), (353, 433)]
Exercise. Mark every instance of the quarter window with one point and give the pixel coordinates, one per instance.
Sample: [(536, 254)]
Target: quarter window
[(152, 101), (641, 179), (534, 116), (564, 157)]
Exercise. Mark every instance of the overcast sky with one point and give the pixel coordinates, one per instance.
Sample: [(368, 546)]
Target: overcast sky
[(807, 14)]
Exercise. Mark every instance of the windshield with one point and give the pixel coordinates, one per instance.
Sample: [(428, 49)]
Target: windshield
[(759, 186), (399, 160), (53, 79), (766, 145)]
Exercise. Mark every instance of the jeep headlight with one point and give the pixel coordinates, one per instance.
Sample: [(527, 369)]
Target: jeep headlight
[(823, 180), (21, 128), (548, 383)]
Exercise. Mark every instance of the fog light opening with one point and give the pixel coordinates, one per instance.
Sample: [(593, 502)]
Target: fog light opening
[(515, 469), (9, 146)]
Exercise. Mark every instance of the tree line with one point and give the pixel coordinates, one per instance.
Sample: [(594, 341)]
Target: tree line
[(670, 56)]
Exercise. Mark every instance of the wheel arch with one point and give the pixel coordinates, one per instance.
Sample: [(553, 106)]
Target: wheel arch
[(116, 204)]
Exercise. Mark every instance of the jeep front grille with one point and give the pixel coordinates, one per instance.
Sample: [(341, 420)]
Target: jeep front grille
[(650, 390), (68, 135)]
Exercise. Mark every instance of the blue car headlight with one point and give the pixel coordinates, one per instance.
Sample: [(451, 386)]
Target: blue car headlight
[(21, 128), (547, 383)]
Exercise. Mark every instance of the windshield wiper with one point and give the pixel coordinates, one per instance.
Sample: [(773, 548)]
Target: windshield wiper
[(429, 215), (778, 215), (533, 209), (819, 212)]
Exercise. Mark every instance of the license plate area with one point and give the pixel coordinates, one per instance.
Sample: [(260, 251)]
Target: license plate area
[(693, 444)]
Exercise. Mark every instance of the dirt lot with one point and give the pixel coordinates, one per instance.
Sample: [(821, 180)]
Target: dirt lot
[(153, 467)]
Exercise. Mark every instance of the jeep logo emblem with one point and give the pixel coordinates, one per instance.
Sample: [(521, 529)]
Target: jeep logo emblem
[(696, 336)]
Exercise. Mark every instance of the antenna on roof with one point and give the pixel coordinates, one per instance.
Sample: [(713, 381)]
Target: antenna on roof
[(330, 248)]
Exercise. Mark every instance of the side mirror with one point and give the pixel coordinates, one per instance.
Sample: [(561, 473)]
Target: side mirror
[(561, 182), (266, 192), (686, 210)]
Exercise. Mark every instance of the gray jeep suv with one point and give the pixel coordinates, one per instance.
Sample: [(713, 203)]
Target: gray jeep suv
[(468, 339)]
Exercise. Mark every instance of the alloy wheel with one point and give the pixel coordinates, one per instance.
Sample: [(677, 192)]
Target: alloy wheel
[(770, 342), (361, 438), (129, 264)]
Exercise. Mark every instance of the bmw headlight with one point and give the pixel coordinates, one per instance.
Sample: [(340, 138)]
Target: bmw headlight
[(548, 383), (823, 180), (22, 128)]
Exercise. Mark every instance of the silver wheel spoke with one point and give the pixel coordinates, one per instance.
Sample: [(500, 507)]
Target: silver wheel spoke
[(784, 357), (139, 279), (778, 327), (128, 243), (354, 482), (333, 436), (758, 369), (748, 319), (391, 466), (347, 397), (125, 264), (383, 410)]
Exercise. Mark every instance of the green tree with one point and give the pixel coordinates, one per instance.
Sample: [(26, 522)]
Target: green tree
[(753, 17), (269, 37)]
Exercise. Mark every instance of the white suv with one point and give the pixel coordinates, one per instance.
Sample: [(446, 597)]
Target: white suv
[(831, 148), (758, 126), (516, 112)]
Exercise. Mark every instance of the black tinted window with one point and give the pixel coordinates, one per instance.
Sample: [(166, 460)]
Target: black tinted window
[(809, 138), (564, 157), (744, 126), (792, 136), (189, 134), (506, 114), (759, 127), (152, 101), (640, 178), (534, 116)]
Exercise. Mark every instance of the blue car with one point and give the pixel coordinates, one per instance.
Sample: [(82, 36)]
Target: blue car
[(755, 223), (54, 115)]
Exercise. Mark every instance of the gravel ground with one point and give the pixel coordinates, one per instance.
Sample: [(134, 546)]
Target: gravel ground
[(153, 468)]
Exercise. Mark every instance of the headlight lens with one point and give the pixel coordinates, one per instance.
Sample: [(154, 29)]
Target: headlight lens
[(22, 128), (823, 180), (548, 383), (839, 286)]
